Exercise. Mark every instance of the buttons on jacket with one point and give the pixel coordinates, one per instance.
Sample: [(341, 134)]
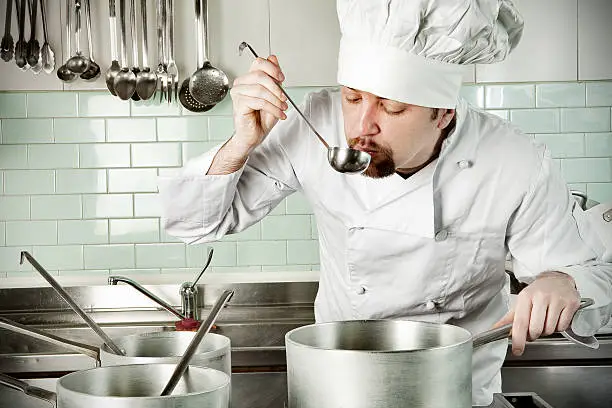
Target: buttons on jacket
[(464, 164), (361, 290), (441, 235)]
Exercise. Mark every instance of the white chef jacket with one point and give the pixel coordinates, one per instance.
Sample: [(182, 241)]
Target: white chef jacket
[(431, 247)]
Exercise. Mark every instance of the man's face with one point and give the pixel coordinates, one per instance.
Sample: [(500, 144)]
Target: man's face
[(398, 136)]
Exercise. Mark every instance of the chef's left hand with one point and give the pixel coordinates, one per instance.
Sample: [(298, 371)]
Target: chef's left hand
[(545, 306)]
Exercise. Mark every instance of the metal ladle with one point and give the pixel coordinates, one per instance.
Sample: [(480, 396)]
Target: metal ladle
[(78, 63), (343, 160), (63, 72), (182, 365), (73, 305), (93, 72), (208, 85)]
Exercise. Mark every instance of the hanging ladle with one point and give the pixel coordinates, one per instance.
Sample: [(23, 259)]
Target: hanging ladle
[(343, 160), (63, 72), (208, 85), (78, 63)]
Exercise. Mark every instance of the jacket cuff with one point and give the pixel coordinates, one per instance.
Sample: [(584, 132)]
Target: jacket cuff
[(589, 320)]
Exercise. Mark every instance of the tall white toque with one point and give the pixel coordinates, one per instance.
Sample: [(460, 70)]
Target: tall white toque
[(415, 51)]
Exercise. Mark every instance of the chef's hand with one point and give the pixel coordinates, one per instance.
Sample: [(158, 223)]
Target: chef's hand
[(258, 102), (545, 306)]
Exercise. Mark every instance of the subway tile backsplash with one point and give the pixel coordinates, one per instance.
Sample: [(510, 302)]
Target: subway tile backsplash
[(78, 177)]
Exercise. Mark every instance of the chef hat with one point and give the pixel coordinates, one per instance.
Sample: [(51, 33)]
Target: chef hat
[(415, 51)]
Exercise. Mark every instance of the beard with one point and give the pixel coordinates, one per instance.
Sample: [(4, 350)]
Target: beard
[(382, 164)]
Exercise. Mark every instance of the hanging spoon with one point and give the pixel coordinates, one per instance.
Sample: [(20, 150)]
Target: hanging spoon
[(114, 69), (46, 54), (125, 81), (343, 160), (146, 80), (93, 72)]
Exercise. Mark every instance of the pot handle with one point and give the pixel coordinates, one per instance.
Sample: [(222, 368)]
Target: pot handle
[(504, 331), (28, 389), (81, 348)]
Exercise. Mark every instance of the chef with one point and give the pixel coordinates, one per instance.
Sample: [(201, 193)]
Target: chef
[(423, 234)]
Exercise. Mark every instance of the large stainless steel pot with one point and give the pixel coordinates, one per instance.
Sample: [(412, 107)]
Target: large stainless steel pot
[(160, 347), (379, 364), (134, 386)]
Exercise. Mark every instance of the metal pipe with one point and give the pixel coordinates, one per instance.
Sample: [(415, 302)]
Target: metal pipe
[(93, 325), (113, 280)]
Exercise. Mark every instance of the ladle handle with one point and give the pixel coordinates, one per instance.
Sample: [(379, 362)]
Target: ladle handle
[(210, 255), (123, 44), (195, 342), (244, 45), (145, 40), (504, 331), (93, 325), (112, 19), (86, 349), (88, 26), (28, 389)]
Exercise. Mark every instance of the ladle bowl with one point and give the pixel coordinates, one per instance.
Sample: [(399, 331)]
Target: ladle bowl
[(346, 160), (341, 159), (65, 74), (78, 64)]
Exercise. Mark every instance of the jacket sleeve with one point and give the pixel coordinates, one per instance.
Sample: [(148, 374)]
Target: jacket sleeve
[(198, 208), (549, 232)]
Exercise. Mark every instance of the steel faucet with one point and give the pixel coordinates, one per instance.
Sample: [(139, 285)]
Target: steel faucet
[(113, 280), (188, 292)]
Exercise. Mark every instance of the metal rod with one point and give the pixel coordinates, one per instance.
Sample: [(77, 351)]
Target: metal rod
[(28, 389), (195, 342), (93, 325), (113, 280), (210, 255), (244, 45), (86, 349)]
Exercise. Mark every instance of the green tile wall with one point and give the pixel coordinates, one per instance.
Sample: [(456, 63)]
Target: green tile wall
[(78, 177)]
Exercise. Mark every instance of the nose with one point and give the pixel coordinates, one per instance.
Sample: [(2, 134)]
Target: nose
[(367, 119)]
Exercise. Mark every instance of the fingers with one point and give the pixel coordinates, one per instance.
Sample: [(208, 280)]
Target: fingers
[(537, 320), (552, 317), (565, 319), (520, 325), (258, 91), (270, 66), (248, 104)]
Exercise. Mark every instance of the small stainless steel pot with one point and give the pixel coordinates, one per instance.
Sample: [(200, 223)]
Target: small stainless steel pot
[(133, 386), (159, 347)]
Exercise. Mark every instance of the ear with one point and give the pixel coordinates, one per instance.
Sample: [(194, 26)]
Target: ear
[(445, 118)]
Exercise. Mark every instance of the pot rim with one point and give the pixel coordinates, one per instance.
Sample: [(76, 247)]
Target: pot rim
[(214, 337), (469, 337), (62, 389)]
